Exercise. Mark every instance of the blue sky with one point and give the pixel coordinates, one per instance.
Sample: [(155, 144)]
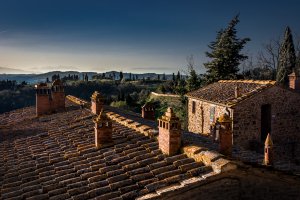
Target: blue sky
[(132, 35)]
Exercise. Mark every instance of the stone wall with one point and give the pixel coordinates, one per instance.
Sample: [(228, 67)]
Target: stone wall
[(239, 184), (285, 121), (200, 121)]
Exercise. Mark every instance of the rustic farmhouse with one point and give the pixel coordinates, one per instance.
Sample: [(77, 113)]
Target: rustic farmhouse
[(256, 107)]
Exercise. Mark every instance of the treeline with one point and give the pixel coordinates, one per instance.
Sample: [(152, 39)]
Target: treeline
[(19, 97), (14, 95), (11, 85), (126, 94)]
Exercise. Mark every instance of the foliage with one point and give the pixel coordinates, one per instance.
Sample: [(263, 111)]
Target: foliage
[(119, 104), (286, 59), (225, 54), (16, 98), (121, 75), (178, 104)]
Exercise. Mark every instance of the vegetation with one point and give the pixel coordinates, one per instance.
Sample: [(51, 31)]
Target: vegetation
[(14, 96), (286, 58), (225, 54)]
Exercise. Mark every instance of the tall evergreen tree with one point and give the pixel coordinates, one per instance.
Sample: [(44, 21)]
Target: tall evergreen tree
[(121, 75), (297, 66), (287, 58), (178, 77), (225, 53), (164, 77), (173, 77), (193, 81)]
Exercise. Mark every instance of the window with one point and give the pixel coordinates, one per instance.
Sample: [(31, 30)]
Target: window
[(212, 114), (193, 107)]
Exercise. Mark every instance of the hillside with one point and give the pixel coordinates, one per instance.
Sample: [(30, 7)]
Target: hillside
[(34, 78)]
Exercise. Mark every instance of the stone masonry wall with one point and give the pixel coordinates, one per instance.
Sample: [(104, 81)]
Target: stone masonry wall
[(285, 121), (199, 122), (241, 184)]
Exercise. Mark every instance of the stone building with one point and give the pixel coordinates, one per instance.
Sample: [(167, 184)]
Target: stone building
[(50, 98), (256, 107)]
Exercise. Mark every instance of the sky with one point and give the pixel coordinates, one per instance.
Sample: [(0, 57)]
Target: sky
[(131, 35)]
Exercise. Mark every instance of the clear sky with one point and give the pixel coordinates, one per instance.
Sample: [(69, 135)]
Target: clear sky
[(130, 35)]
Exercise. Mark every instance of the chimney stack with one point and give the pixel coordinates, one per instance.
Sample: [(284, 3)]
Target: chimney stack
[(169, 137), (58, 95), (103, 130), (236, 92), (225, 134), (97, 103), (268, 151), (148, 111), (294, 81), (43, 99)]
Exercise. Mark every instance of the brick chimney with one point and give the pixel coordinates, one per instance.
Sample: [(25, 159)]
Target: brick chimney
[(58, 95), (148, 111), (169, 137), (225, 134), (237, 93), (268, 151), (103, 130), (294, 81), (43, 99), (97, 103)]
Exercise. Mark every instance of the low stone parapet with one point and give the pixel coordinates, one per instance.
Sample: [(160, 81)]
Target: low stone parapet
[(144, 129), (78, 101), (214, 159)]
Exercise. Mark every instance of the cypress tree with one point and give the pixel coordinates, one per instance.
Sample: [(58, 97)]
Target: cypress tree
[(121, 75), (287, 58), (193, 82), (178, 77), (225, 53), (173, 77), (297, 66)]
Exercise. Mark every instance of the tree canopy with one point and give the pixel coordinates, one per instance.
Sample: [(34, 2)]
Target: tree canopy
[(225, 53), (287, 58)]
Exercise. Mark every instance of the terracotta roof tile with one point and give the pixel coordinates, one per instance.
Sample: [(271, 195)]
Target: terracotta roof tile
[(223, 92), (61, 162)]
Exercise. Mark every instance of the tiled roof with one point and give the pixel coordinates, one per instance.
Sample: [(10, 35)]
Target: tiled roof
[(223, 92), (60, 161)]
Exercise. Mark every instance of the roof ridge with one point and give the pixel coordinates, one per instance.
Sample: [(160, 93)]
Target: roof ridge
[(263, 82)]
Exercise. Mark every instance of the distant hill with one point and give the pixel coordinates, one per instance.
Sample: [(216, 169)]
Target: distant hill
[(6, 70), (35, 78)]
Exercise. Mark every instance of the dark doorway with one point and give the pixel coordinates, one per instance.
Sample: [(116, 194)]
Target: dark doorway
[(265, 121)]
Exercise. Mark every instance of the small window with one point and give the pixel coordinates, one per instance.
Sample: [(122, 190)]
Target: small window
[(193, 107), (212, 114)]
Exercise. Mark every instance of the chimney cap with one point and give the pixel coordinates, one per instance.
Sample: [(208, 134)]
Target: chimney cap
[(102, 117), (96, 95), (147, 105), (269, 141), (57, 82), (41, 85), (169, 115), (224, 118)]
